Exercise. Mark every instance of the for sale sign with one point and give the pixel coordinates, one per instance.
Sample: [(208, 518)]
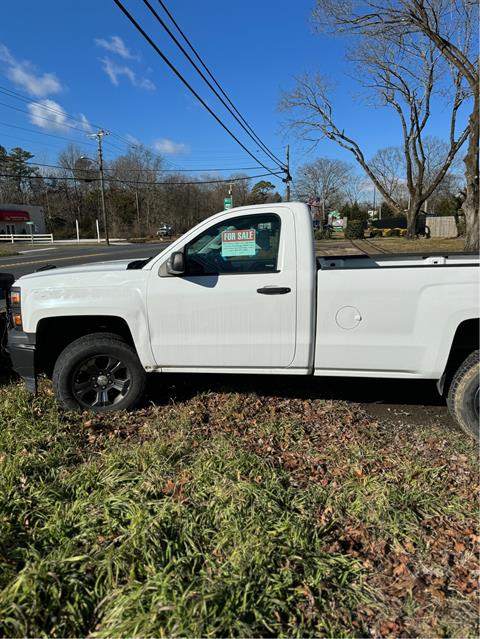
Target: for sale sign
[(238, 243)]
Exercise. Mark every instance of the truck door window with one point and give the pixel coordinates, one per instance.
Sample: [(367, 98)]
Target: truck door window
[(247, 244)]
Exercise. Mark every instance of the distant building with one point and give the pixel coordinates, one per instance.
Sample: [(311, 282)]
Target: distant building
[(14, 219)]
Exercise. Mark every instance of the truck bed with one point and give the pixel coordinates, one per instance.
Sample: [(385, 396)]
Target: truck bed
[(397, 260)]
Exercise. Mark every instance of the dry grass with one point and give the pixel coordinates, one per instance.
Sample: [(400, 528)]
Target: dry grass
[(422, 245), (233, 514), (8, 249)]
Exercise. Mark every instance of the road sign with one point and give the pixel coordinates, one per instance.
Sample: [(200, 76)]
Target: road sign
[(227, 203)]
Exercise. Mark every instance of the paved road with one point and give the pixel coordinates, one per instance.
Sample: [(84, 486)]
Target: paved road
[(30, 260)]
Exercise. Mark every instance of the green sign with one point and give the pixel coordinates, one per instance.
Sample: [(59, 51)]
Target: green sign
[(227, 202)]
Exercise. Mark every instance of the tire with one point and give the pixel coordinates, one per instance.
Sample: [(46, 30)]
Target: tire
[(98, 372), (463, 396)]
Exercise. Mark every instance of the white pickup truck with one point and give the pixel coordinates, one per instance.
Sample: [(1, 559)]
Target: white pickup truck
[(243, 292)]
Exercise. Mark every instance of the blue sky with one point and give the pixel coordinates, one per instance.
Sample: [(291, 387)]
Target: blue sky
[(86, 59)]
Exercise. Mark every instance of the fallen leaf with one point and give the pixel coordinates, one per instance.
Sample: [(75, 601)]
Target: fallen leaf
[(399, 569), (438, 594), (169, 487)]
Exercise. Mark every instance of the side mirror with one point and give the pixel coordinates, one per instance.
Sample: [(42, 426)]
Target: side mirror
[(176, 263)]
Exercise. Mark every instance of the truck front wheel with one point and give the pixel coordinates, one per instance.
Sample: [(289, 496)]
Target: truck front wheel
[(98, 372), (463, 396)]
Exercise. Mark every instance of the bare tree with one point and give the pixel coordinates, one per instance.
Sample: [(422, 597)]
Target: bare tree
[(324, 181), (389, 166), (75, 170), (241, 190), (401, 74), (133, 178), (452, 27), (354, 188)]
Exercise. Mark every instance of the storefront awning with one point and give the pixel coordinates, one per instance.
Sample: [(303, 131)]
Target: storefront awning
[(14, 216)]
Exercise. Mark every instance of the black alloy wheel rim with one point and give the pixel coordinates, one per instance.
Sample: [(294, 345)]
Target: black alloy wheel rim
[(101, 381)]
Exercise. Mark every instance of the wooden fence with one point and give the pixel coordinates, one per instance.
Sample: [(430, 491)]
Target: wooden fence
[(442, 226)]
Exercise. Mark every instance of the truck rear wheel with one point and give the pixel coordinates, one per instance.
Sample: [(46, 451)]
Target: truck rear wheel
[(463, 396), (98, 372)]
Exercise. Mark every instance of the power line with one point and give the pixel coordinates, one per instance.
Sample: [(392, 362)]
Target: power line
[(53, 145), (142, 170), (231, 109), (185, 82), (51, 135), (197, 182), (24, 98), (236, 179), (44, 107), (115, 146), (19, 96), (41, 117)]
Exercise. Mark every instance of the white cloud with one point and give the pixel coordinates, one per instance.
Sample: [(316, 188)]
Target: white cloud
[(51, 116), (169, 147), (116, 71), (85, 124), (5, 55), (42, 115), (116, 45), (24, 76)]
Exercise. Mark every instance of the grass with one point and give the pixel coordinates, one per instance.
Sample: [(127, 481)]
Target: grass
[(233, 514), (7, 249), (422, 245)]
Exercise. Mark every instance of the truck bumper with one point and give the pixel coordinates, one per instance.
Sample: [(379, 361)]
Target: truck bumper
[(21, 348)]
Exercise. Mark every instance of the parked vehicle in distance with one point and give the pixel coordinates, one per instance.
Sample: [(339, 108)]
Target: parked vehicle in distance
[(165, 231), (242, 292)]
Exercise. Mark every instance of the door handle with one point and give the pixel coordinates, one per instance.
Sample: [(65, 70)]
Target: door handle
[(273, 290)]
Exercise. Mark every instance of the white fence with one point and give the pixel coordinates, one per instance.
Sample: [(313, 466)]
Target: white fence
[(36, 238)]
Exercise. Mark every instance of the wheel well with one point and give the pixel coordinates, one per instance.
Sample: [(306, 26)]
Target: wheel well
[(465, 341), (55, 333)]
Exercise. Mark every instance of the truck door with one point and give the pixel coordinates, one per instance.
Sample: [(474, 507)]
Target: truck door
[(235, 305)]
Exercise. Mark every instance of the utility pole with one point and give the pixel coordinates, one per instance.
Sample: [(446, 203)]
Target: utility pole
[(288, 178), (138, 209), (99, 135), (230, 193)]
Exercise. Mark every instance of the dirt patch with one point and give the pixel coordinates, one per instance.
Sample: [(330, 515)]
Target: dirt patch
[(417, 415)]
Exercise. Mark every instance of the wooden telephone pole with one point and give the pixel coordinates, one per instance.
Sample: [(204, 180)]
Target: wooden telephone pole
[(288, 178)]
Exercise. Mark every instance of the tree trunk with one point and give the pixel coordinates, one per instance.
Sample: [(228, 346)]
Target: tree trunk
[(471, 204), (412, 213)]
